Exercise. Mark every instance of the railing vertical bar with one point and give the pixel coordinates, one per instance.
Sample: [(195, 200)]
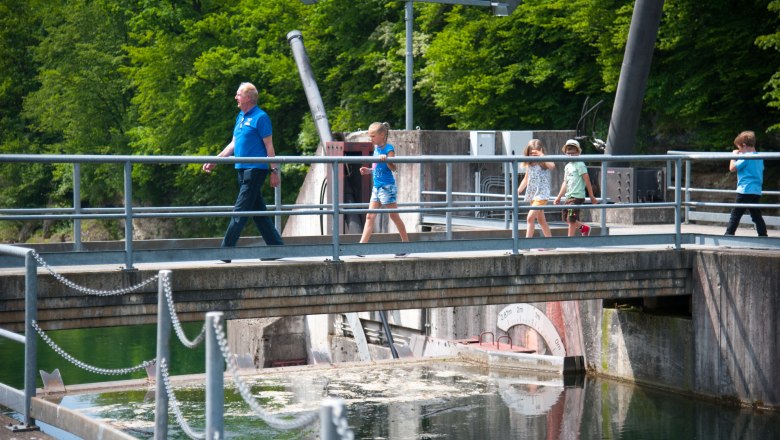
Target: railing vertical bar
[(31, 337), (335, 166), (603, 195), (278, 207), (677, 203), (507, 187), (128, 215), (328, 429), (448, 215), (163, 353), (215, 390), (77, 206), (421, 188), (515, 210), (687, 190)]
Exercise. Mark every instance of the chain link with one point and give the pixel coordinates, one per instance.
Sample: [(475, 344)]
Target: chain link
[(87, 290), (174, 404), (243, 389), (175, 318), (83, 365)]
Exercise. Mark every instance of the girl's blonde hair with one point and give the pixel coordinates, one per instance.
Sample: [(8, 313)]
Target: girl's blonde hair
[(380, 127), (533, 144)]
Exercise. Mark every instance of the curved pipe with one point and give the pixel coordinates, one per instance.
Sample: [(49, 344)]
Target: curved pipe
[(310, 86)]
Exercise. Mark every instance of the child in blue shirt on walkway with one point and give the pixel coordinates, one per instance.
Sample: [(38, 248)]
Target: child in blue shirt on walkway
[(385, 192), (575, 182), (750, 178)]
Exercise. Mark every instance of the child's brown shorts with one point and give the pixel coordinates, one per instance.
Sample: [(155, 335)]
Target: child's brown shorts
[(572, 215)]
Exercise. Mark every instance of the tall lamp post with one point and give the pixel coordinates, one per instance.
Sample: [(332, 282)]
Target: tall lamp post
[(500, 9)]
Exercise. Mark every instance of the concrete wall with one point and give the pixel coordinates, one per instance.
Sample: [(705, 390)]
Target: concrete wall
[(644, 348), (736, 304), (267, 340), (730, 348)]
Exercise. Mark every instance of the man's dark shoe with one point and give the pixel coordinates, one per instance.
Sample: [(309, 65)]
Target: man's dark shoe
[(226, 261)]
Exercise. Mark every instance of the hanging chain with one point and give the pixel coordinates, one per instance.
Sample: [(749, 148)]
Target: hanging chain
[(175, 319), (87, 367), (243, 389), (87, 290), (174, 404)]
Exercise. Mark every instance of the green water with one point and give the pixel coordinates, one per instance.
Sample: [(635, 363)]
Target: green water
[(430, 400), (109, 348), (443, 399)]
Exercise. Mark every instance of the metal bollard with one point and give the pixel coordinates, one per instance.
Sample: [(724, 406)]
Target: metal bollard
[(328, 429), (163, 352), (215, 377)]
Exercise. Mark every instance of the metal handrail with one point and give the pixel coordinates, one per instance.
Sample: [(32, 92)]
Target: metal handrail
[(510, 204), (29, 338)]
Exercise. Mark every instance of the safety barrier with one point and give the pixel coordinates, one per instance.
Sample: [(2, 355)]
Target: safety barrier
[(508, 203), (333, 424)]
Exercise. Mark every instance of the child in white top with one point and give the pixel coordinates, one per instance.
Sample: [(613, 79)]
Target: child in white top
[(536, 184)]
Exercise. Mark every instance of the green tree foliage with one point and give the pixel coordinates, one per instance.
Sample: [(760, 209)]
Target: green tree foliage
[(159, 78), (771, 43), (708, 73)]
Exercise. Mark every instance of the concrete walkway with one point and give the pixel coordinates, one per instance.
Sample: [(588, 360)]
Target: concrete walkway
[(7, 434)]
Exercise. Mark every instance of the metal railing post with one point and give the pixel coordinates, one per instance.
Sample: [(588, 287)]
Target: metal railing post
[(677, 203), (129, 216), (421, 188), (328, 408), (336, 217), (603, 191), (448, 215), (687, 190), (77, 206), (278, 209), (515, 211), (215, 390), (30, 335), (507, 187), (163, 353)]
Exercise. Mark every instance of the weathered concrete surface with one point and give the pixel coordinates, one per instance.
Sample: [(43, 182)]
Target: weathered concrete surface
[(268, 340), (256, 290), (650, 349), (736, 304), (730, 348)]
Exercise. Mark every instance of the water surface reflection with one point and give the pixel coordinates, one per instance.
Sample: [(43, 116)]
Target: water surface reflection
[(447, 399)]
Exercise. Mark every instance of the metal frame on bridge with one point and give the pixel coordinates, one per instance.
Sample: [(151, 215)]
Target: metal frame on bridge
[(194, 250)]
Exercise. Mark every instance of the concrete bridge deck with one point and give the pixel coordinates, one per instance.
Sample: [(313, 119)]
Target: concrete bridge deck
[(298, 286)]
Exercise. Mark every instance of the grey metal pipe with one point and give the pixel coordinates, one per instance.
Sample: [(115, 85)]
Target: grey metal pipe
[(677, 201), (328, 429), (129, 216), (448, 215), (336, 226), (31, 345), (215, 386), (409, 21), (633, 76), (388, 334), (295, 38), (77, 207), (515, 213), (603, 196), (163, 352)]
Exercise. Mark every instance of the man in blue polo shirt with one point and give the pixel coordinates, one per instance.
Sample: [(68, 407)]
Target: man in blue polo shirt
[(251, 138)]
